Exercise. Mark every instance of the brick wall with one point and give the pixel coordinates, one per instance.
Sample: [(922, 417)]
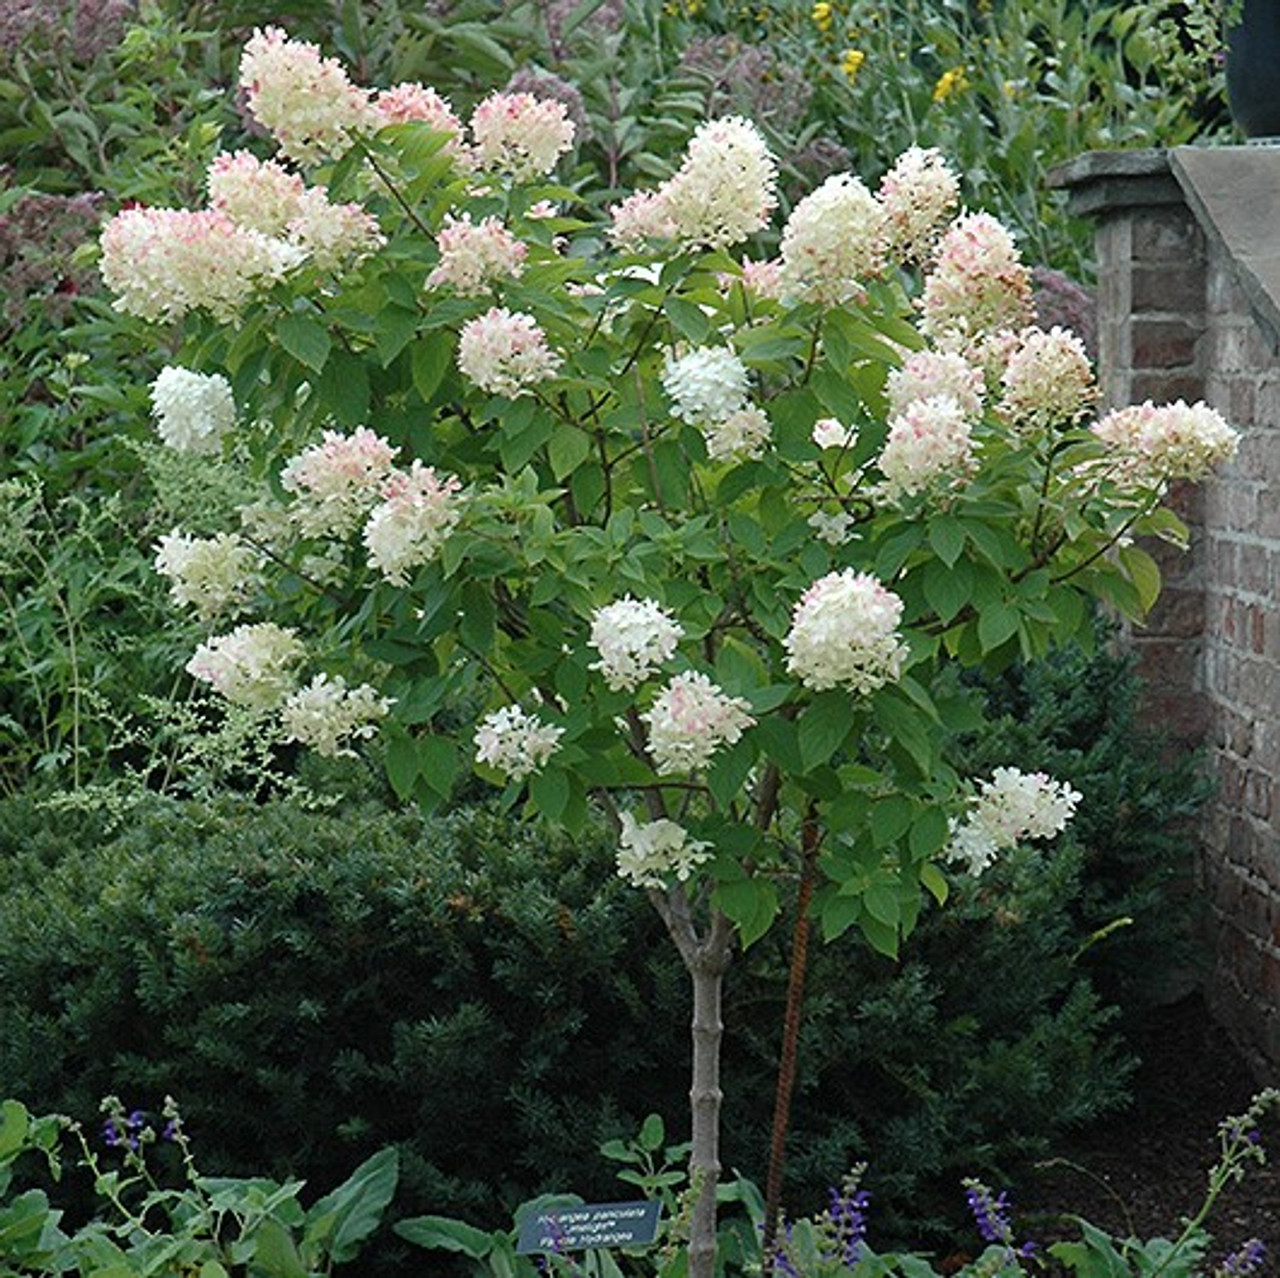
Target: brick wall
[(1183, 314)]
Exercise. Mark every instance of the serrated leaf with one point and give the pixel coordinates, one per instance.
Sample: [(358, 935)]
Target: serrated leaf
[(946, 537), (824, 727)]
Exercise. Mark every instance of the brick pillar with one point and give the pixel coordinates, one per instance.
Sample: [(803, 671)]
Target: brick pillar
[(1152, 285)]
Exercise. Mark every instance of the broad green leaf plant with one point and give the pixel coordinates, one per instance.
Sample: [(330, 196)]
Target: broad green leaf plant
[(676, 517)]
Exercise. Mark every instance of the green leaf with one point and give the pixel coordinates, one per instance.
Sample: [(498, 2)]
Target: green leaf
[(306, 339), (652, 1133), (947, 590), (996, 625), (929, 833), (946, 536), (344, 388), (882, 936), (440, 1233), (274, 1253), (342, 1220), (881, 902), (402, 764), (429, 361), (438, 762), (751, 903), (730, 769), (824, 727), (935, 882), (478, 617), (550, 792), (569, 448), (687, 319), (1144, 572), (890, 819)]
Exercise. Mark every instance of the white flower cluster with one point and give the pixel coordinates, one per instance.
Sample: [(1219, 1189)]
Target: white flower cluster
[(1012, 806), (917, 195), (706, 384), (844, 633), (926, 374), (654, 852), (834, 528), (1155, 443), (930, 442), (722, 193), (515, 742), (214, 575), (192, 411), (633, 637), (690, 719), (833, 242), (419, 509), (326, 715), (830, 432), (250, 666), (743, 434), (505, 353), (474, 256), (1048, 380), (519, 134), (305, 101), (337, 481)]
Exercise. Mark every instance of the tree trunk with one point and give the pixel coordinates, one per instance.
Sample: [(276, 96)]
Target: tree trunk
[(706, 959)]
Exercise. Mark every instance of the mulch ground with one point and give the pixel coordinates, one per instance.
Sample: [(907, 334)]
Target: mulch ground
[(1142, 1172)]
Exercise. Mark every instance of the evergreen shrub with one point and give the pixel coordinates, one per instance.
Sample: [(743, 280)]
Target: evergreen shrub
[(312, 987)]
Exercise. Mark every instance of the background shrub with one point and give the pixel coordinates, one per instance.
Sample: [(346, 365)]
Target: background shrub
[(313, 986)]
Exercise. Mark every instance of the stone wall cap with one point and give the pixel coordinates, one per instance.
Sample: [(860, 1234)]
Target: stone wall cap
[(1234, 192), (1092, 165), (1101, 181)]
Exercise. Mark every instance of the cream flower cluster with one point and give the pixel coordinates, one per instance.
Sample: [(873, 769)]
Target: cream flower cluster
[(410, 103), (1152, 444), (520, 135), (977, 288), (505, 353), (743, 434), (193, 411), (929, 443), (327, 715), (1048, 380), (633, 637), (705, 384), (214, 575), (418, 511), (162, 263), (833, 242), (690, 719), (514, 742), (926, 374), (830, 432), (305, 101), (474, 256), (337, 481), (251, 665), (724, 191), (1012, 806), (917, 195), (844, 633), (652, 853)]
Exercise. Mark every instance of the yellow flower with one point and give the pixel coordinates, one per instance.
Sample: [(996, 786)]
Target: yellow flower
[(822, 15), (950, 83), (850, 63)]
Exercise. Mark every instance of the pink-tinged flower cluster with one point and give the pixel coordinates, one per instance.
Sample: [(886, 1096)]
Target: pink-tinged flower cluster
[(833, 242), (1152, 444), (193, 412), (705, 384), (505, 353), (520, 135), (690, 719), (743, 434), (927, 374), (929, 443), (214, 575), (475, 256), (337, 481), (723, 192), (1048, 380), (515, 743), (844, 633), (653, 853), (333, 235), (305, 101), (327, 715), (1012, 806), (251, 666), (418, 511), (258, 194), (764, 279), (977, 288), (917, 195), (633, 637), (162, 263)]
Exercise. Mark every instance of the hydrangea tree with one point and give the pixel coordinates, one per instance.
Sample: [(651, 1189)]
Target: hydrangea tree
[(627, 514)]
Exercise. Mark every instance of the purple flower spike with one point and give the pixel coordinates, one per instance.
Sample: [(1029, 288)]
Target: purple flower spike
[(1247, 1260)]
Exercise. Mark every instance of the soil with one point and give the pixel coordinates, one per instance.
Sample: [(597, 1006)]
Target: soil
[(1142, 1172)]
